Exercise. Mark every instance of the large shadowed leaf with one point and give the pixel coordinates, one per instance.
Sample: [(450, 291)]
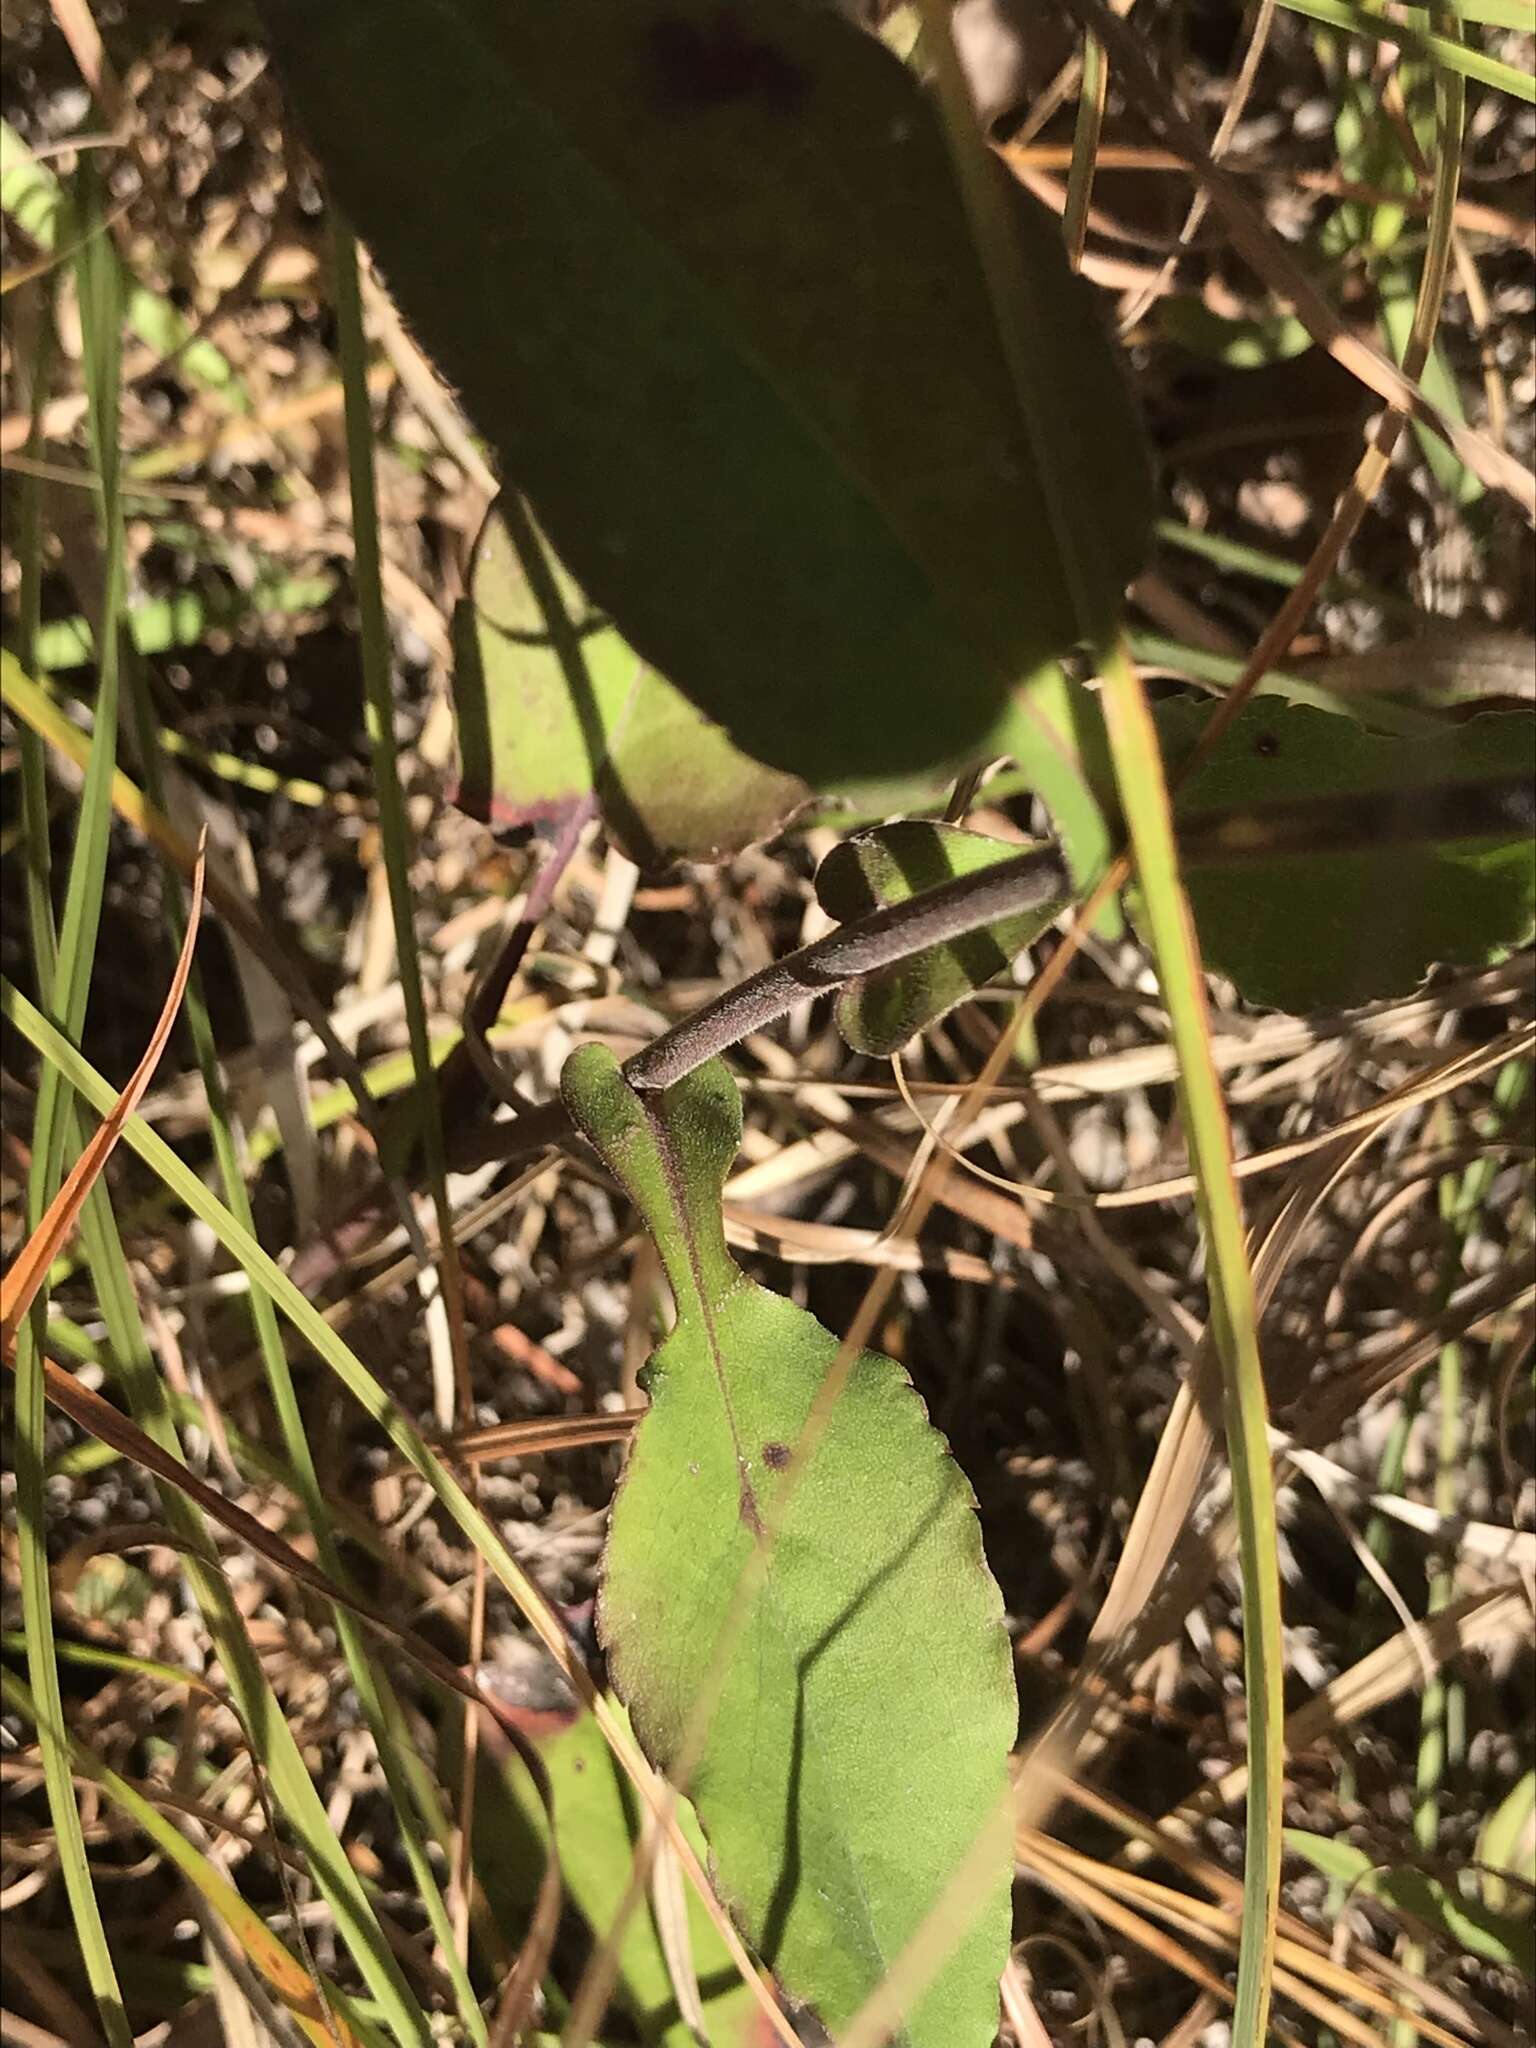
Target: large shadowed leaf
[(797, 1585), (702, 273), (551, 701), (1309, 930)]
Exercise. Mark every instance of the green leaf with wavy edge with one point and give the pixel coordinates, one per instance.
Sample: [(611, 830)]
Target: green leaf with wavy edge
[(879, 1012), (702, 273), (1309, 931), (796, 1607), (551, 702)]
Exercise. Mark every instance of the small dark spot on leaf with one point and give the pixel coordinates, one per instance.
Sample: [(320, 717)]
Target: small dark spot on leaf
[(578, 1763), (713, 62), (776, 1456), (1267, 745)]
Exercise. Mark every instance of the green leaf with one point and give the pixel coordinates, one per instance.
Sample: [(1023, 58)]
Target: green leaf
[(35, 200), (1240, 344), (1507, 1841), (1055, 732), (879, 1012), (1466, 1923), (597, 1825), (1340, 1862), (1305, 931), (112, 1590), (551, 702), (1365, 20), (795, 1601), (702, 273)]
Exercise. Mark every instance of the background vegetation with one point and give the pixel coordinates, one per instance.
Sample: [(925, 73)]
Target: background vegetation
[(273, 1785)]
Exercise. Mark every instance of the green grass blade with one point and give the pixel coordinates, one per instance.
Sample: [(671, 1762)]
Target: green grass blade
[(35, 200), (394, 830), (375, 1402), (395, 837), (266, 1724), (101, 299), (1144, 798), (1238, 558), (283, 1971), (63, 967), (1495, 13), (1091, 92), (1452, 56), (1223, 671), (403, 1770)]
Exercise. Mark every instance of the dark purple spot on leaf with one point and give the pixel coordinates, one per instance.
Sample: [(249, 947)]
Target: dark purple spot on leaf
[(713, 62), (1267, 745), (776, 1456)]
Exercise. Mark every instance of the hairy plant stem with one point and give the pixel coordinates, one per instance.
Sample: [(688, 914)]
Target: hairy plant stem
[(1031, 881)]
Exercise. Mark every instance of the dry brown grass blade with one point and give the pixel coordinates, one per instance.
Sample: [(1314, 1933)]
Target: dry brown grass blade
[(1231, 114), (1477, 1621), (78, 27), (1156, 1599), (1039, 1860), (1169, 1840), (1454, 1072), (1259, 1042), (1161, 1571), (1305, 1972), (247, 437), (110, 1426), (1466, 1540), (106, 1423), (669, 1910), (19, 1286), (1019, 2009), (1258, 245), (1472, 215), (1491, 1295), (1306, 1967), (805, 1242), (535, 1438)]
